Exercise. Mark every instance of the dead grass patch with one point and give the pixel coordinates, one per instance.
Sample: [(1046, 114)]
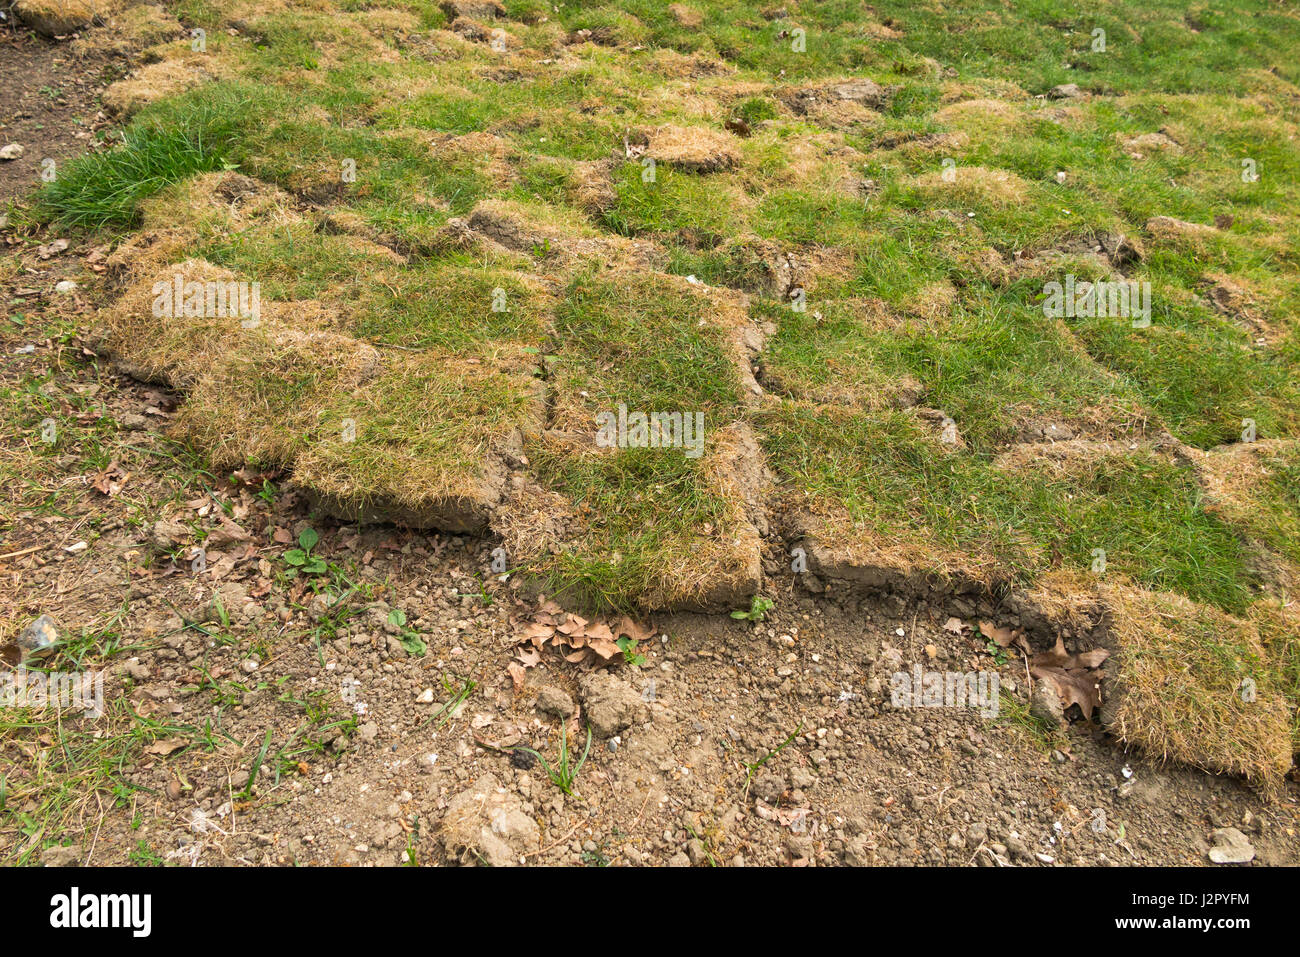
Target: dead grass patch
[(975, 184), (153, 82), (694, 149), (1196, 686)]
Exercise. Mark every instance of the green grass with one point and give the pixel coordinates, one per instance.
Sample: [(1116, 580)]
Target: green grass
[(922, 298), (104, 190), (892, 477)]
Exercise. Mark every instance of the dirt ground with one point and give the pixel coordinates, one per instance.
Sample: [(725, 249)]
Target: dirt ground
[(766, 743), (48, 106)]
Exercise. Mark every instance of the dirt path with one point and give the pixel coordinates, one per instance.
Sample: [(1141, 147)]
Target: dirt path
[(48, 106)]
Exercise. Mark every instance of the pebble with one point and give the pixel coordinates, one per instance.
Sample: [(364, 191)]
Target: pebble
[(1231, 847), (11, 152)]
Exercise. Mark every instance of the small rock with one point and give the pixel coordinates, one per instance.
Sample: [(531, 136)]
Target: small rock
[(611, 705), (65, 287), (552, 700), (1231, 847), (137, 670), (39, 638), (696, 852), (769, 787), (486, 824), (11, 152), (1066, 91), (166, 536), (60, 856), (1045, 704)]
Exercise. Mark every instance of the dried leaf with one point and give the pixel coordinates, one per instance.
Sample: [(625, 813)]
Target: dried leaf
[(165, 746), (1075, 686), (516, 672), (573, 625), (626, 626), (110, 480)]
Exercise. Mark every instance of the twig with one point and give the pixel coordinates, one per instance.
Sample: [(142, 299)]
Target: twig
[(25, 551)]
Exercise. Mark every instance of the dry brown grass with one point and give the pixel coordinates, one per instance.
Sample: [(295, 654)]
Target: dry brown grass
[(975, 184), (128, 29), (694, 149), (1179, 693)]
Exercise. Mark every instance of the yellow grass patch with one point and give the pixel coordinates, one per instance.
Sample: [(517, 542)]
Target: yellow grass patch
[(153, 82), (694, 149), (1196, 686), (975, 184)]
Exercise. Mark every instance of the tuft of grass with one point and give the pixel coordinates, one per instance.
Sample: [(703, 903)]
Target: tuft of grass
[(565, 772), (104, 190)]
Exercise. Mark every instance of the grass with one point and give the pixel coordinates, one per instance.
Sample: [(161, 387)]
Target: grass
[(564, 774), (898, 410), (104, 190)]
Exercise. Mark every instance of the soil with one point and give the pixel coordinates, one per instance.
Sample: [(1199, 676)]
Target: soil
[(49, 105), (802, 699)]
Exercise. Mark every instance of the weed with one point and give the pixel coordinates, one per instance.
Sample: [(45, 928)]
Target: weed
[(757, 611), (301, 559), (565, 774), (752, 768)]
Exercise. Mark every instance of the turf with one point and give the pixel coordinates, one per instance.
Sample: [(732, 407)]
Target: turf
[(828, 228)]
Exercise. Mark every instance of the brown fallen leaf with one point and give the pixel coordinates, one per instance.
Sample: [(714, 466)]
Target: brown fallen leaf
[(1006, 637), (1058, 657), (537, 634), (1075, 686), (165, 746), (109, 481), (573, 626), (225, 533), (516, 672), (626, 626), (52, 249), (607, 648)]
